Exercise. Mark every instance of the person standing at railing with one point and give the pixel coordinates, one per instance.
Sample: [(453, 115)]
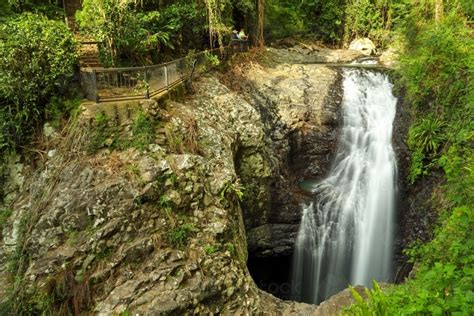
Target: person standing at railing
[(239, 37)]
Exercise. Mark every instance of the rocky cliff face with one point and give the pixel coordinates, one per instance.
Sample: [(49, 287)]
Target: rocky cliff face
[(149, 208), (299, 106)]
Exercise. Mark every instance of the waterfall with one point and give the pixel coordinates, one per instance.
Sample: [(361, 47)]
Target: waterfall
[(346, 233)]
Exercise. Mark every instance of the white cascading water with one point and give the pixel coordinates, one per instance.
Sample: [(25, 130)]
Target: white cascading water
[(346, 233)]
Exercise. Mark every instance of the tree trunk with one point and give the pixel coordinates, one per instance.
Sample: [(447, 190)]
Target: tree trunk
[(259, 40), (439, 10)]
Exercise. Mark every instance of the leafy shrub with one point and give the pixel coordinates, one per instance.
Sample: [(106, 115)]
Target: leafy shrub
[(435, 67), (374, 19), (427, 134), (284, 19), (130, 36), (424, 140), (444, 279), (37, 59), (376, 304), (325, 19), (186, 22), (336, 21)]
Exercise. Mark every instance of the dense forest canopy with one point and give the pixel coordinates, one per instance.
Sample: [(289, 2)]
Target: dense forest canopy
[(38, 60)]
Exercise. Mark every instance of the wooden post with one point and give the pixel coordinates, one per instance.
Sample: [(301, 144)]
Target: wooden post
[(166, 77), (94, 85), (147, 85), (439, 10)]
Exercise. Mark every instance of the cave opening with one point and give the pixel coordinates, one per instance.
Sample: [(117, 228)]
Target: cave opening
[(272, 274)]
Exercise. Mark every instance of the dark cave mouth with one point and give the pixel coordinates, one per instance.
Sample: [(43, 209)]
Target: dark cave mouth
[(272, 274)]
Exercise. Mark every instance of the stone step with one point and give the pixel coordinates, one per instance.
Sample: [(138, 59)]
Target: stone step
[(97, 65), (161, 131), (90, 59)]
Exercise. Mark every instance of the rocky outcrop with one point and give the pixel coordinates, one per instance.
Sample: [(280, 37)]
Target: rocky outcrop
[(363, 45), (416, 214)]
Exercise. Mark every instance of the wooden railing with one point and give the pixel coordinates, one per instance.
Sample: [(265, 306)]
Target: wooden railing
[(112, 84)]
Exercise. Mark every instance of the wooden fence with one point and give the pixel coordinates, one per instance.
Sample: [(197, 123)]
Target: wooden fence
[(112, 84)]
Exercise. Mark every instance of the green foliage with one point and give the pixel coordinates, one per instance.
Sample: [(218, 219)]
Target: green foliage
[(336, 21), (325, 18), (210, 249), (178, 237), (106, 134), (444, 278), (435, 70), (230, 248), (436, 66), (165, 201), (427, 134), (186, 23), (58, 107), (212, 60), (218, 24), (375, 19), (283, 19), (100, 133), (376, 304), (232, 190), (37, 60), (4, 216), (143, 131), (5, 9), (44, 7), (424, 140), (130, 36)]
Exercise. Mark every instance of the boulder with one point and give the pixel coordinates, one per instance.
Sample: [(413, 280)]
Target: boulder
[(389, 57), (363, 45)]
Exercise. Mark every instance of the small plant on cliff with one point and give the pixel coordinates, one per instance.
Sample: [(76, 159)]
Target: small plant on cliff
[(100, 132), (230, 247), (210, 249), (143, 131), (232, 190), (4, 216), (165, 201), (178, 237), (424, 140)]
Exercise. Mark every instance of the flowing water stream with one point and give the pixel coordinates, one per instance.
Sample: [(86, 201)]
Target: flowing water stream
[(346, 233)]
